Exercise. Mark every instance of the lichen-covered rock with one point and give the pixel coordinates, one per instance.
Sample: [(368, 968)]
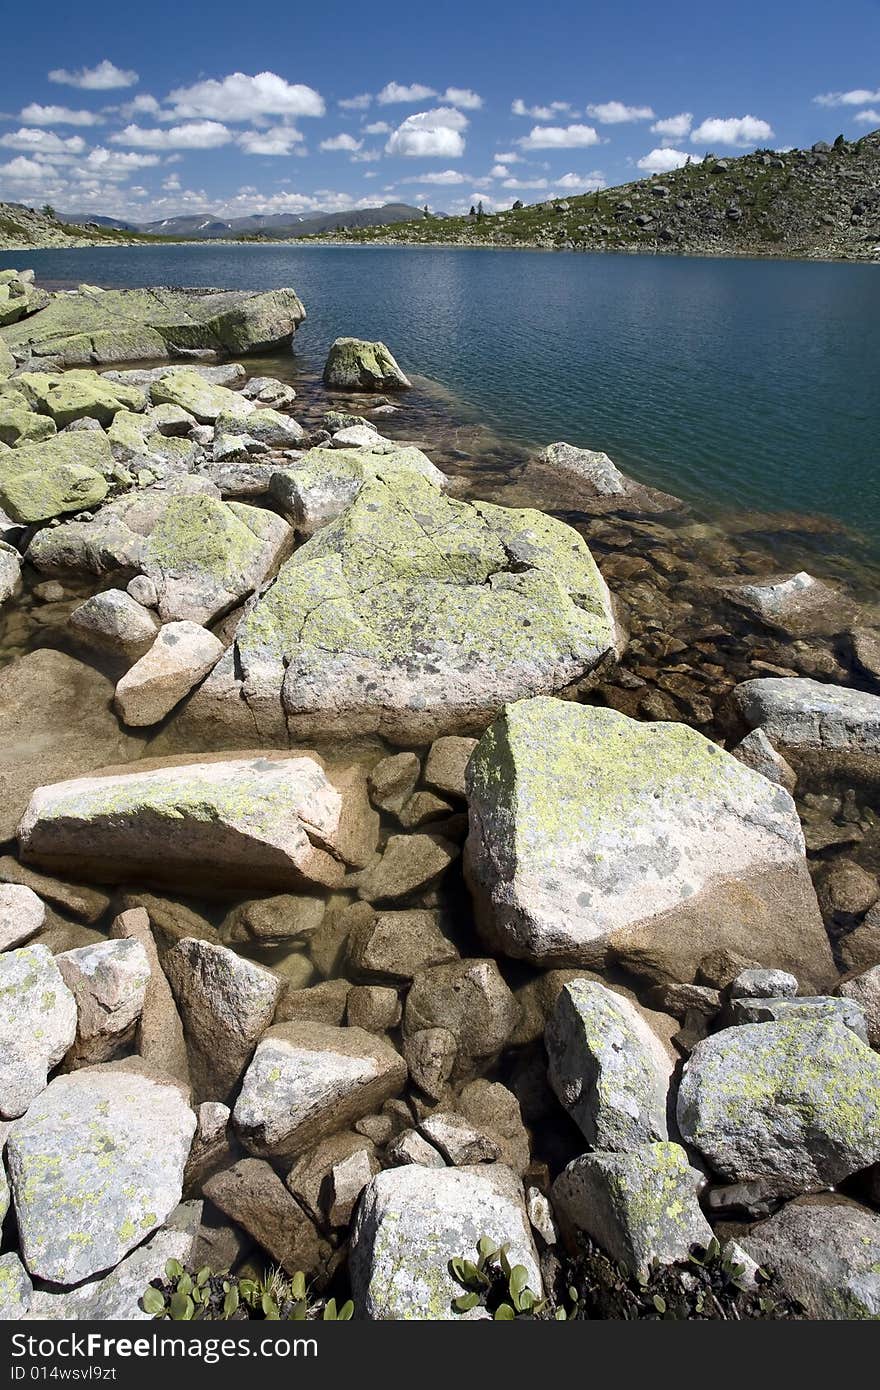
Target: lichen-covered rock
[(250, 822), (323, 482), (203, 399), (864, 991), (793, 1104), (204, 555), (78, 395), (847, 1012), (263, 424), (594, 468), (63, 474), (113, 622), (89, 1179), (831, 726), (22, 914), (640, 1207), (307, 1080), (109, 983), (226, 1003), (413, 1220), (470, 1000), (37, 1025), (827, 1253), (608, 1067), (181, 655), (16, 1288), (356, 365), (21, 425), (591, 833)]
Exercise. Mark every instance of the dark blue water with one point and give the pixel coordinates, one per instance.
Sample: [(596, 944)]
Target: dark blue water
[(738, 384)]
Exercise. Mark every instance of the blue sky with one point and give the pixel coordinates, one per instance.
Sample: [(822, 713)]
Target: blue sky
[(152, 110)]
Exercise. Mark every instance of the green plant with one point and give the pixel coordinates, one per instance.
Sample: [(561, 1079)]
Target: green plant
[(492, 1282), (185, 1297)]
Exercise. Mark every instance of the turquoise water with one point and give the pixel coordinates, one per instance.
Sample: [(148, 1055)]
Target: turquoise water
[(738, 384)]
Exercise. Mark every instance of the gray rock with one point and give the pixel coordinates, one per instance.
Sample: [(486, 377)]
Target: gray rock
[(430, 1056), (356, 365), (16, 1289), (348, 1179), (283, 918), (113, 621), (411, 1147), (413, 1220), (608, 1067), (847, 1012), (143, 591), (808, 721), (827, 1252), (265, 425), (181, 655), (252, 1194), (86, 904), (319, 485), (447, 760), (159, 1038), (109, 983), (460, 1143), (639, 1207), (393, 780), (864, 991), (88, 1178), (602, 477), (310, 1177), (496, 1112), (37, 1025), (793, 1104), (763, 984), (470, 1000), (22, 914), (393, 947), (375, 1008), (226, 1003), (757, 752), (408, 864)]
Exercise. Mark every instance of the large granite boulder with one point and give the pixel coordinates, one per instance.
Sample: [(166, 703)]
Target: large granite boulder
[(95, 1166), (63, 474), (793, 1105), (323, 482), (19, 424), (413, 615), (830, 727), (78, 395), (356, 365), (827, 1252), (595, 469), (205, 400), (413, 1220), (109, 982), (593, 835), (37, 1025), (246, 822)]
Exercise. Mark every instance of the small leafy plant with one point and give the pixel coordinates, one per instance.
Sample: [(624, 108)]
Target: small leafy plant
[(493, 1283), (186, 1297)]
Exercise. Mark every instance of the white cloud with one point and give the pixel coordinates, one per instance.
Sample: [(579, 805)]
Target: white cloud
[(867, 117), (582, 183), (524, 183), (732, 130), (172, 183), (859, 96), (463, 97), (44, 142), (377, 128), (442, 176), (341, 142), (508, 157), (499, 171), (25, 171), (358, 103), (366, 157), (193, 135), (102, 78), (240, 97), (674, 127), (540, 113), (394, 93), (113, 164), (276, 140), (615, 112), (142, 105), (57, 115), (664, 160), (430, 135), (554, 137)]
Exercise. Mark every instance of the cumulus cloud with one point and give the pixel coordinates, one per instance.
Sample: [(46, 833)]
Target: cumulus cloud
[(239, 97), (674, 127), (582, 183), (663, 161), (463, 97), (43, 142), (508, 157), (35, 114), (540, 113), (102, 78), (615, 112), (868, 117), (25, 171), (192, 135), (366, 157), (358, 103), (524, 183), (442, 176), (499, 171), (556, 137), (430, 135), (859, 96), (377, 128), (739, 131), (341, 142), (397, 93), (142, 105), (113, 164), (276, 140)]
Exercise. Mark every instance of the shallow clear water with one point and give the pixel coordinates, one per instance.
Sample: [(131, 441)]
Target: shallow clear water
[(740, 385)]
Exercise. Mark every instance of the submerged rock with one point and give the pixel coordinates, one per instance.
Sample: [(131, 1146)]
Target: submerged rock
[(831, 726), (592, 834), (594, 468), (356, 365)]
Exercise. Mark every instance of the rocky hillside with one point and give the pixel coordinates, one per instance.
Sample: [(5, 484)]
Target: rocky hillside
[(817, 204), (23, 229)]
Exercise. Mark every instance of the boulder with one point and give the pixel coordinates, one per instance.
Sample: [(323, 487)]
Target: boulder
[(447, 763), (109, 983), (593, 835), (470, 1000), (307, 1080), (757, 752), (159, 1038), (393, 947), (829, 727), (848, 1012), (78, 395), (21, 425), (37, 1025), (641, 1207), (356, 365), (253, 1196), (595, 469), (826, 1250), (864, 991), (266, 426), (202, 399), (793, 1104), (763, 984), (411, 616), (249, 822), (63, 474), (324, 482), (608, 1067), (269, 391), (283, 918), (89, 1181), (226, 1003), (22, 914), (16, 1289), (413, 1220), (181, 655), (113, 622), (409, 863)]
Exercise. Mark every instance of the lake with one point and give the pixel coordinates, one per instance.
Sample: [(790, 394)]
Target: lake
[(741, 385)]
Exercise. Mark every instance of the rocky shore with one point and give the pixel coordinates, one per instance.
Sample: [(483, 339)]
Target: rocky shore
[(397, 855)]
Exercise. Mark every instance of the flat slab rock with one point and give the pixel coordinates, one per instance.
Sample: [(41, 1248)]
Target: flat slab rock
[(248, 822), (808, 720), (89, 1180), (593, 834), (413, 615), (413, 1220)]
